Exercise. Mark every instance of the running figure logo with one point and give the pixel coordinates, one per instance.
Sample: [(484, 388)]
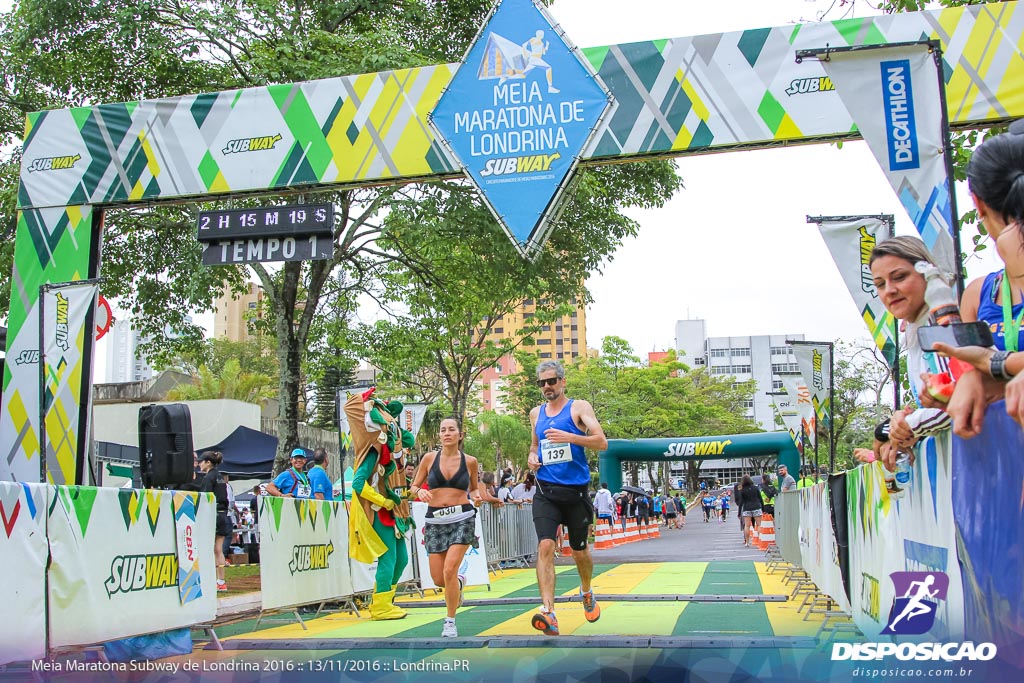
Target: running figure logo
[(914, 612), (504, 59)]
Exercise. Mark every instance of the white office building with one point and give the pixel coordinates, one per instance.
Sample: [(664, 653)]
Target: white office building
[(124, 363), (759, 357)]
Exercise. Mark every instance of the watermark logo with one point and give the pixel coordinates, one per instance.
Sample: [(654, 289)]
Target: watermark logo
[(914, 612)]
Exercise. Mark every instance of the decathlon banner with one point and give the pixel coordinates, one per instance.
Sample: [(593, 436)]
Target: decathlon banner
[(114, 567), (800, 396), (815, 362), (474, 564), (67, 311), (303, 551), (893, 95), (819, 553), (190, 585), (23, 589), (850, 241)]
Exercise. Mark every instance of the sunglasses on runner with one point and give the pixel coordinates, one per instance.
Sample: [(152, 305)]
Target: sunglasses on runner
[(550, 382)]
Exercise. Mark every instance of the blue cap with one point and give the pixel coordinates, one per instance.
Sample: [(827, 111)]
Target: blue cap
[(298, 453)]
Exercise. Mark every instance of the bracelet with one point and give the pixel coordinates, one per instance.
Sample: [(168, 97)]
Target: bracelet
[(997, 366)]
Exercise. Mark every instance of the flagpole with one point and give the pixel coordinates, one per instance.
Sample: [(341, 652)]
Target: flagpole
[(947, 154)]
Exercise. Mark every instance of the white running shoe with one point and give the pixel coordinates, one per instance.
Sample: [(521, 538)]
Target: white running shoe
[(462, 588), (449, 630)]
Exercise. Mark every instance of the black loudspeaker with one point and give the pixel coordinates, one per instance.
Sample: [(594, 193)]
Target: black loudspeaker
[(165, 445)]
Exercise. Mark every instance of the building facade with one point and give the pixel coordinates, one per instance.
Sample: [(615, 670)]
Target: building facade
[(233, 312), (564, 339), (759, 358), (124, 362)]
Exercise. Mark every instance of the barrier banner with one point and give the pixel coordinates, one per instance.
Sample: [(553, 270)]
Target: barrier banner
[(189, 579), (927, 530), (818, 552), (987, 472), (23, 590), (787, 526), (364, 575), (840, 526), (909, 533), (474, 564), (114, 559), (850, 242), (893, 95), (303, 551), (875, 544)]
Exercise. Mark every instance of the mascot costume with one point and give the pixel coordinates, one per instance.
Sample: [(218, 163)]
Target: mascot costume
[(379, 516)]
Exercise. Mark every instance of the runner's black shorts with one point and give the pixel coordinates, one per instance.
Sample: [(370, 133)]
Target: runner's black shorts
[(555, 505)]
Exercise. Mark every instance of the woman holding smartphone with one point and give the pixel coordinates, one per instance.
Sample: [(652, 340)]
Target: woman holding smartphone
[(995, 177)]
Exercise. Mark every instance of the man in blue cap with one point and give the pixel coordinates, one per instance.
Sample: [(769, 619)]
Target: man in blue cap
[(293, 482)]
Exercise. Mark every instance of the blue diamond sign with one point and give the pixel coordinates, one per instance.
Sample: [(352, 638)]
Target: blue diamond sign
[(517, 115)]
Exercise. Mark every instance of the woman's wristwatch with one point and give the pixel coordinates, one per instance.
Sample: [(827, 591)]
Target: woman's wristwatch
[(997, 365)]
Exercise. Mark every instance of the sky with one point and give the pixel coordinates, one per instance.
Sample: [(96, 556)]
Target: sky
[(734, 247)]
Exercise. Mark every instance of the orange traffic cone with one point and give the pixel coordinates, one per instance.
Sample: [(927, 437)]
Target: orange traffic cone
[(566, 549), (603, 537), (767, 534)]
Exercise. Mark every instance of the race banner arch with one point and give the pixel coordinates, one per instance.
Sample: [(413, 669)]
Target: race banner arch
[(676, 96), (779, 444)]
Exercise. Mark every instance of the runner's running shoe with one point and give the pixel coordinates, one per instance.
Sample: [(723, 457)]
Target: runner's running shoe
[(462, 588), (590, 607), (449, 630), (546, 622)]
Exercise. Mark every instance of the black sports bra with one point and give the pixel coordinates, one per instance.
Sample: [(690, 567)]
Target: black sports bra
[(459, 480)]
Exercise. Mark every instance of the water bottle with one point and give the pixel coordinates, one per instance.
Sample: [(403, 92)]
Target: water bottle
[(904, 471)]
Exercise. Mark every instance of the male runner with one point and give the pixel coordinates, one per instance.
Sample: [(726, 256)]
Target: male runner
[(562, 428)]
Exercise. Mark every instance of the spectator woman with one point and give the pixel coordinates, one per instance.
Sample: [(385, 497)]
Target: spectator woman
[(901, 289), (749, 502), (524, 492), (450, 524), (212, 482), (995, 177)]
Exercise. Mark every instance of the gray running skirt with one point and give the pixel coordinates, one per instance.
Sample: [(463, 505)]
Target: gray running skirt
[(439, 537)]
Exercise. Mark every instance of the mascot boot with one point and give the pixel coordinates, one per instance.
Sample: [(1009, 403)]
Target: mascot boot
[(382, 607)]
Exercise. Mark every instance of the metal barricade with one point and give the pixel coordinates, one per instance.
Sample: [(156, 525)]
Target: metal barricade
[(509, 535)]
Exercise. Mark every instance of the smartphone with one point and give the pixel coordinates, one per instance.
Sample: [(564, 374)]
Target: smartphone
[(956, 335)]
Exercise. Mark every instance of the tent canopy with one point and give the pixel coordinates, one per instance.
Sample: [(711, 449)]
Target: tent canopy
[(248, 454)]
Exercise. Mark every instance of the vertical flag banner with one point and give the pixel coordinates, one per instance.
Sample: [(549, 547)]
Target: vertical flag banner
[(815, 362), (786, 406), (52, 245), (67, 311), (800, 396), (23, 591), (850, 241), (893, 95)]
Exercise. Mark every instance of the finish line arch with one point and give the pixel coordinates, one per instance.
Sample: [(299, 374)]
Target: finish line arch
[(372, 129), (779, 444)]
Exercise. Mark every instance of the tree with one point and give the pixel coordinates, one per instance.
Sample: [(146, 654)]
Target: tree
[(63, 53), (476, 278), (498, 439), (229, 382)]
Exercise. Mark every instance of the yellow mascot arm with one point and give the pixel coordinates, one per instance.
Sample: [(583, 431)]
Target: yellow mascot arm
[(371, 494)]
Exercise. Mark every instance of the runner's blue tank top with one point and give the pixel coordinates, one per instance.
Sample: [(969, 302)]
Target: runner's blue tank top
[(992, 313), (573, 473)]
